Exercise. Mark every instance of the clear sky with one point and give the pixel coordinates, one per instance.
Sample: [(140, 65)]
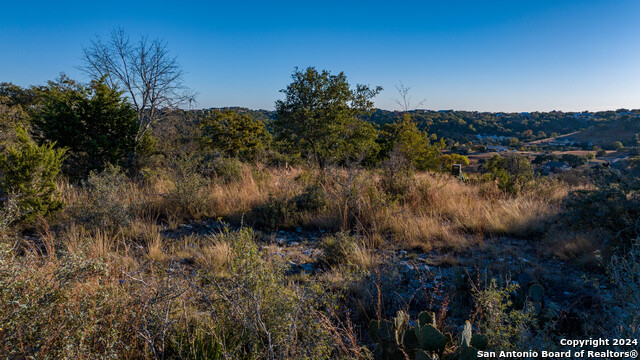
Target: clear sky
[(517, 55)]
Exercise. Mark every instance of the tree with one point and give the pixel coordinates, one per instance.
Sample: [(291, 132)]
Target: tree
[(574, 160), (404, 101), (150, 76), (28, 171), (94, 122), (449, 159), (512, 171), (234, 134), (320, 118), (403, 138), (15, 103)]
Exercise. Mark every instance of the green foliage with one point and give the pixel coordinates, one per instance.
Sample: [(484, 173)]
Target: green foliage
[(278, 212), (227, 170), (320, 118), (274, 317), (54, 308), (275, 212), (412, 144), (339, 249), (400, 340), (234, 134), (13, 95), (612, 208), (15, 103), (512, 171), (28, 171), (398, 178), (574, 160), (108, 206), (450, 159), (186, 193), (94, 122), (504, 326), (544, 158)]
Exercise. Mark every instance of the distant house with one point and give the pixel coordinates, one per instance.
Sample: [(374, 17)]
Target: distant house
[(561, 142), (555, 167)]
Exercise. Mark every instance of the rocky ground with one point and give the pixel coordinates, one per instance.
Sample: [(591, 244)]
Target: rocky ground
[(569, 290)]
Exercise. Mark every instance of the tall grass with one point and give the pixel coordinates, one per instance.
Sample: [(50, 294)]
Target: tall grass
[(434, 211)]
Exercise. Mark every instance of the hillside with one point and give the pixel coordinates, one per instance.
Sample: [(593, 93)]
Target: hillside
[(586, 127)]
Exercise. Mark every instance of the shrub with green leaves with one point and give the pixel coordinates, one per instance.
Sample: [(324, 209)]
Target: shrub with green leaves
[(406, 139), (108, 206), (28, 171), (234, 134), (257, 304), (339, 249), (506, 327), (64, 307), (94, 122), (186, 195), (513, 172)]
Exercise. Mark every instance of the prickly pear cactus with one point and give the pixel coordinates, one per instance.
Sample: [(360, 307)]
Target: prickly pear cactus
[(382, 331), (410, 341), (479, 341), (397, 339), (470, 343), (431, 339), (427, 318), (468, 353), (536, 292)]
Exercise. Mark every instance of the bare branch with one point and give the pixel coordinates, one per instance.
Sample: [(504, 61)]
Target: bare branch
[(404, 101), (151, 78)]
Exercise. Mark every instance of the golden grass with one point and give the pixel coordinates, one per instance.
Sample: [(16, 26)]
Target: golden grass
[(437, 212)]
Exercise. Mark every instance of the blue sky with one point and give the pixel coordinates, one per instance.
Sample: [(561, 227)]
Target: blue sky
[(518, 55)]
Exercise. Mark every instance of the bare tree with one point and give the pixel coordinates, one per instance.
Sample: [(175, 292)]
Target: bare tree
[(151, 78), (404, 101)]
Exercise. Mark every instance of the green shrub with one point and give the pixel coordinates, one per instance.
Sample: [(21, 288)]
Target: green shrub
[(312, 199), (224, 169), (574, 160), (339, 249), (397, 178), (513, 172), (64, 307), (228, 170), (186, 195), (108, 206), (94, 122), (257, 304), (28, 171), (283, 211), (274, 212), (234, 134), (506, 327)]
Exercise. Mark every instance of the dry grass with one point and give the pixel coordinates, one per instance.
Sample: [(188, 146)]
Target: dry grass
[(151, 258), (437, 212)]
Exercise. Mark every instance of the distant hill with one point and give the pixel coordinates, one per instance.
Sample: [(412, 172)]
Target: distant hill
[(581, 127), (622, 130)]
